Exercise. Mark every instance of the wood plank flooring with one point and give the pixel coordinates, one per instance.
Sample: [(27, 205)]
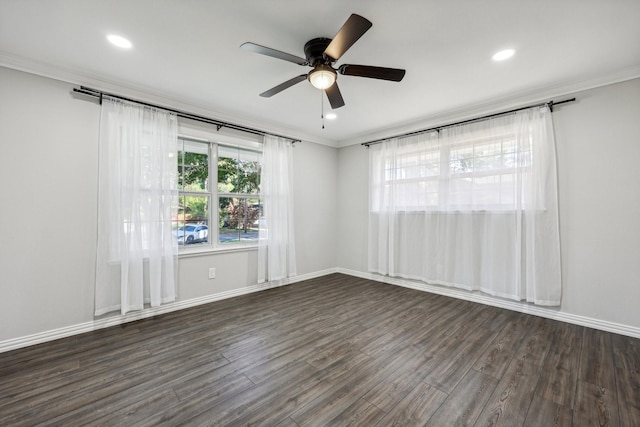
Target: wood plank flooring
[(335, 350)]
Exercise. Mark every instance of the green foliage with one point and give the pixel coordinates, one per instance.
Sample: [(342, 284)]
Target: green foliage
[(193, 209), (196, 206), (193, 170), (237, 176)]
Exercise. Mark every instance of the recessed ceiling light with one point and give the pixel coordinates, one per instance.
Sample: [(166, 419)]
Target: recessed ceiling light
[(503, 54), (330, 116), (119, 41)]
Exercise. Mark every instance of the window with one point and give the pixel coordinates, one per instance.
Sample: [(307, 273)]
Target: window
[(449, 173), (482, 172), (192, 225), (473, 206), (413, 172), (219, 185), (238, 195)]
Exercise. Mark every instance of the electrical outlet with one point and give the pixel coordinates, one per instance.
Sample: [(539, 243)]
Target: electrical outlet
[(212, 273)]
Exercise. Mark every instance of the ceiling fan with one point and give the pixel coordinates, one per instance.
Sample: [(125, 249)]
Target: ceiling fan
[(321, 53)]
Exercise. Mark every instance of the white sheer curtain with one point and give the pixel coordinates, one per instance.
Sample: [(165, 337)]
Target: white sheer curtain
[(276, 245), (473, 206), (137, 252)]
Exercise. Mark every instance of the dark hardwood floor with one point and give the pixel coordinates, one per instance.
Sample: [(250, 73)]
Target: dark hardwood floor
[(335, 350)]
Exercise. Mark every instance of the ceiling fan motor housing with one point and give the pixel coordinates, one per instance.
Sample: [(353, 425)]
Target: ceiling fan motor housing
[(314, 51)]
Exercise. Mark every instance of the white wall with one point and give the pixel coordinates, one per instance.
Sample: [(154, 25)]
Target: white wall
[(48, 167), (316, 173), (599, 189), (353, 199), (48, 215), (598, 149), (48, 164)]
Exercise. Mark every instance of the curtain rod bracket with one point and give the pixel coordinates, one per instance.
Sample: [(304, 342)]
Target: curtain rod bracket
[(218, 127)]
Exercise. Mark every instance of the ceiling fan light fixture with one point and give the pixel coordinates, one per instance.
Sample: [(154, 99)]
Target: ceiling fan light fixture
[(322, 77)]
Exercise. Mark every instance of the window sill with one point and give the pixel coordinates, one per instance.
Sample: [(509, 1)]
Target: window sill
[(203, 251)]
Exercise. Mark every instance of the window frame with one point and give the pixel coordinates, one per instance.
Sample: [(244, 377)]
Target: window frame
[(397, 174), (231, 195), (213, 244)]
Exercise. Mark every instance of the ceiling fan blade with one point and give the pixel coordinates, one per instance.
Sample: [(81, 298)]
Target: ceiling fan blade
[(334, 95), (283, 86), (350, 32), (273, 53), (382, 73)]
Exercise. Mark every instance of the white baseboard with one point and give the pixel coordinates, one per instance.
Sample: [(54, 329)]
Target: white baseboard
[(67, 331), (521, 307), (54, 334)]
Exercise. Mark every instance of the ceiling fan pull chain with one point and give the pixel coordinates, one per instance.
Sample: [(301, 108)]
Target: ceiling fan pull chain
[(322, 107)]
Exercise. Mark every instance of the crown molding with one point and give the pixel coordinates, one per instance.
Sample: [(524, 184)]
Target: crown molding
[(80, 77), (487, 106), (490, 106)]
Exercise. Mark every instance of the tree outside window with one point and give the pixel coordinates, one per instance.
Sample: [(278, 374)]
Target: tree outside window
[(236, 209)]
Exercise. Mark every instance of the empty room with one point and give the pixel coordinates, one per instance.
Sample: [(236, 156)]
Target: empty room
[(285, 213)]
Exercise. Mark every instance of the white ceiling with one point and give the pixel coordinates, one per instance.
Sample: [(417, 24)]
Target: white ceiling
[(187, 52)]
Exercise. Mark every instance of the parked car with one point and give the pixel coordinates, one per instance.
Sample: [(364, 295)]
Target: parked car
[(191, 233)]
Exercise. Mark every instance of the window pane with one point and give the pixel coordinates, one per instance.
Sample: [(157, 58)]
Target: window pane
[(193, 165), (239, 218), (238, 171), (193, 218), (461, 160)]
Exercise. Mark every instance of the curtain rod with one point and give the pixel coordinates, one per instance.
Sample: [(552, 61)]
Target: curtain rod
[(218, 123), (549, 104)]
